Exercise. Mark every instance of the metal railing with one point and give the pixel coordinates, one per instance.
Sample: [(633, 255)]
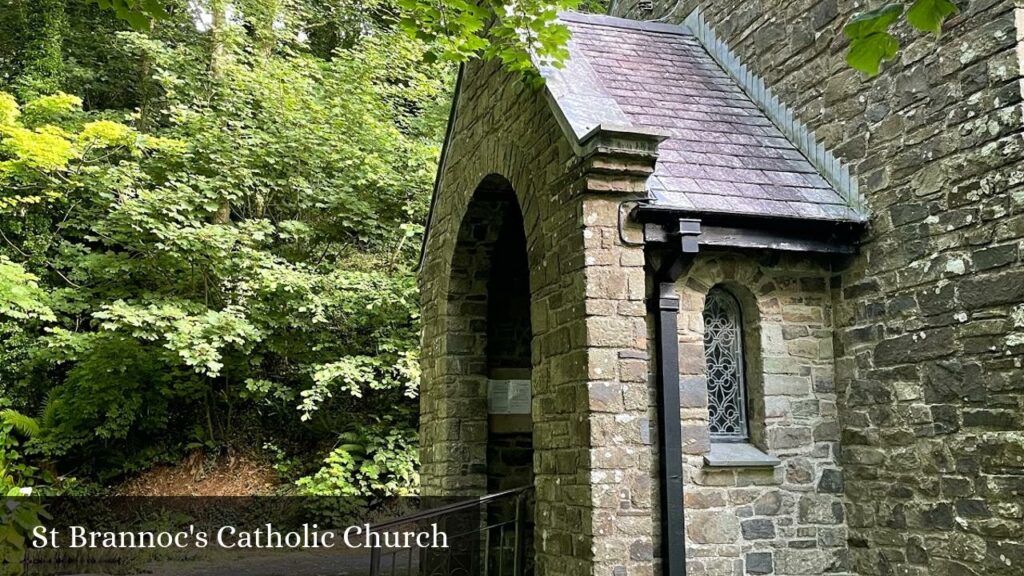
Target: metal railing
[(487, 536)]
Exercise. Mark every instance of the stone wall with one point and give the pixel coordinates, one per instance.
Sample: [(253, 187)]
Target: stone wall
[(589, 364), (617, 395), (509, 460), (786, 519), (508, 300), (929, 320)]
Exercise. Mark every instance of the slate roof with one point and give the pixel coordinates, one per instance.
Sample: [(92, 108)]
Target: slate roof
[(722, 155)]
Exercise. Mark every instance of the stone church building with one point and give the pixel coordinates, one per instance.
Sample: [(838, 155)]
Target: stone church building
[(730, 307)]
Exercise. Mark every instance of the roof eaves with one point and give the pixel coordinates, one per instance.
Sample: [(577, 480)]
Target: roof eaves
[(761, 231), (661, 210), (579, 101)]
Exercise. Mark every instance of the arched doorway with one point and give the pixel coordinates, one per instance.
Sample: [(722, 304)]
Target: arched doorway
[(490, 342)]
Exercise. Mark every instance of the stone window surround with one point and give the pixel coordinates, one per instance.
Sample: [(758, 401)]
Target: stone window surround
[(749, 453), (738, 455), (786, 518)]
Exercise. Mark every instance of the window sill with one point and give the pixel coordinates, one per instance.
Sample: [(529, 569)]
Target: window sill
[(738, 455)]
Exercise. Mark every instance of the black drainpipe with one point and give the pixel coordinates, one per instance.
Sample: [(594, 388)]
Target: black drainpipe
[(665, 306)]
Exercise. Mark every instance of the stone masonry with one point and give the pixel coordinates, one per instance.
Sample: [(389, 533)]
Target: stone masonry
[(889, 384), (786, 519), (591, 461), (928, 318)]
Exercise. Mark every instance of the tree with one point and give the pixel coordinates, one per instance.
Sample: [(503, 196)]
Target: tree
[(527, 30), (43, 62), (455, 30), (221, 239)]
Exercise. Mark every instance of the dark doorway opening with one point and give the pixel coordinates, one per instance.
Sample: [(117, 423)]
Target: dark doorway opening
[(497, 308)]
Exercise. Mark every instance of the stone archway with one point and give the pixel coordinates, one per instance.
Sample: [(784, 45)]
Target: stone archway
[(589, 361), (490, 341)]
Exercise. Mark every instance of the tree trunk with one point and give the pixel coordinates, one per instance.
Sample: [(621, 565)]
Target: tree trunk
[(218, 18), (264, 28), (218, 54), (147, 86), (43, 71)]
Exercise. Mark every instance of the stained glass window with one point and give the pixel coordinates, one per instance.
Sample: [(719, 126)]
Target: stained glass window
[(723, 354)]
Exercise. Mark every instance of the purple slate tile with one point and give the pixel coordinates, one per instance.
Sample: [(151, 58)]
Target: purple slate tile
[(685, 170), (785, 178), (840, 211), (725, 160), (713, 203), (751, 190), (723, 154), (808, 210), (772, 207), (785, 193), (676, 199), (815, 180), (719, 188), (679, 184)]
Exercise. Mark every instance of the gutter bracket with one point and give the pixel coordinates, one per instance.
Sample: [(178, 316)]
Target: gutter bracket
[(687, 234)]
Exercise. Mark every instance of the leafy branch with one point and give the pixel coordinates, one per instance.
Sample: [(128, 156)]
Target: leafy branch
[(871, 33), (524, 31), (515, 33)]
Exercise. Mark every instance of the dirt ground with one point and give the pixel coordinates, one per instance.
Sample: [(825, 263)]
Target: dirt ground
[(200, 475)]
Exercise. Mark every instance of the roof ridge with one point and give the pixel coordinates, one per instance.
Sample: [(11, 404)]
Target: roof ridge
[(624, 23)]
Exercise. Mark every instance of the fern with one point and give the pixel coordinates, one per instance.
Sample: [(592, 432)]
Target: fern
[(24, 425), (51, 408)]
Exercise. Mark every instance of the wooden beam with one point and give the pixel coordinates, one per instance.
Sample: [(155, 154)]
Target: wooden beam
[(724, 236), (789, 239)]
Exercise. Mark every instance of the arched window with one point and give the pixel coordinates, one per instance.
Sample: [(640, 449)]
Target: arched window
[(723, 354)]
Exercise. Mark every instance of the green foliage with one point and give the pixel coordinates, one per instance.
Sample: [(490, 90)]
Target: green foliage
[(221, 239), (870, 39), (21, 298), (19, 516), (870, 33), (928, 15), (17, 477), (380, 459), (454, 30), (138, 13), (198, 335), (9, 111), (12, 421), (50, 109), (117, 397), (512, 33), (48, 150)]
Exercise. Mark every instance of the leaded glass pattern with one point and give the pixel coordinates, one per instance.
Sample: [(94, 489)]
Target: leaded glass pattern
[(723, 354)]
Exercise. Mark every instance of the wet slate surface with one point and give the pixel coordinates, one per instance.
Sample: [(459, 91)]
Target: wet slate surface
[(723, 155)]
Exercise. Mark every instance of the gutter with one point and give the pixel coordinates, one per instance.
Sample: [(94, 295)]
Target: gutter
[(669, 265), (665, 305), (752, 232)]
